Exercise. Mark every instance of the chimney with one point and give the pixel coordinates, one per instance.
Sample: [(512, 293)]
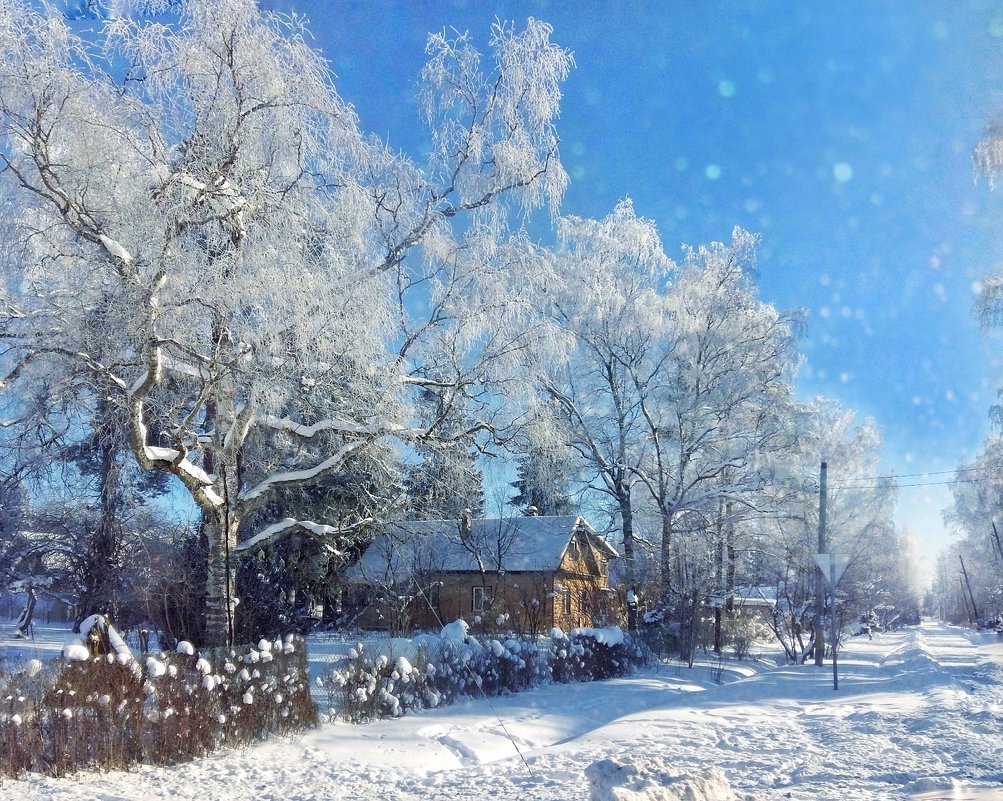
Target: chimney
[(466, 524)]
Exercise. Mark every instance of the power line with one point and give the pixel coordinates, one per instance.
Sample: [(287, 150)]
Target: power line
[(918, 484), (892, 477)]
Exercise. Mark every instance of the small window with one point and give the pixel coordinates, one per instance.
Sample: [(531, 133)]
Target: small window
[(433, 594), (565, 596), (482, 597)]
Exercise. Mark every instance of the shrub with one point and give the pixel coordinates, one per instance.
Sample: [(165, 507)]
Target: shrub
[(662, 639), (370, 688), (567, 658), (743, 631), (448, 669), (107, 711), (593, 654)]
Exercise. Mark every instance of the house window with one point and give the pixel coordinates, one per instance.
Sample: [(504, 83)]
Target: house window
[(565, 596), (433, 594), (482, 597)]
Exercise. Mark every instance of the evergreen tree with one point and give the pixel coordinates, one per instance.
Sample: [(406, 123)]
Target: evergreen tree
[(544, 478), (445, 482)]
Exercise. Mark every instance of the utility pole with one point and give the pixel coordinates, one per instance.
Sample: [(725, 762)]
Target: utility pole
[(968, 584), (820, 576)]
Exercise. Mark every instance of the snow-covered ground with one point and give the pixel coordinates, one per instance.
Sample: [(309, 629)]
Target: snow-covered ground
[(919, 714)]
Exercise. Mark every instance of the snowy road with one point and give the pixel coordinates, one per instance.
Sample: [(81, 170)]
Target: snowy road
[(919, 714)]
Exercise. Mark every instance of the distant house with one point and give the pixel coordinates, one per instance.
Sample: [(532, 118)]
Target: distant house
[(762, 600), (526, 574)]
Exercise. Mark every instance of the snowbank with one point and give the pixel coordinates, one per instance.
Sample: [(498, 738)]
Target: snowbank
[(643, 778)]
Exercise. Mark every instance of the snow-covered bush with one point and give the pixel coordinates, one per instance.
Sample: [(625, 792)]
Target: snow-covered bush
[(593, 654), (567, 658), (508, 665), (108, 711), (743, 631), (661, 638), (21, 691), (448, 668), (371, 687)]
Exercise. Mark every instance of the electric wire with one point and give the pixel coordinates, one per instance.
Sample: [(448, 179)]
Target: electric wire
[(917, 484), (871, 482), (477, 684)]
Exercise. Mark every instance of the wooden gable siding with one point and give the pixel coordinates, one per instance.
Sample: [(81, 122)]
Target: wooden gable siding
[(583, 596)]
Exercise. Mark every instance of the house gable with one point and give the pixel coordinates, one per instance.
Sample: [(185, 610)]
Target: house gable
[(586, 554)]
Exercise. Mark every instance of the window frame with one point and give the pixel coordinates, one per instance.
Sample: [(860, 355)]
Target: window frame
[(486, 594), (565, 596)]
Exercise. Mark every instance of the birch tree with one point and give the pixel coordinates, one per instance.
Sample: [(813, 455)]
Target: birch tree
[(609, 272), (202, 228), (712, 391)]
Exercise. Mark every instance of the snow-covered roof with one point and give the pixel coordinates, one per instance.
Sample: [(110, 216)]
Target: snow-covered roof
[(510, 544)]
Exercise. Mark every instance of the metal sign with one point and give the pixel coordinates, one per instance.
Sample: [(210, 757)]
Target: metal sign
[(832, 565)]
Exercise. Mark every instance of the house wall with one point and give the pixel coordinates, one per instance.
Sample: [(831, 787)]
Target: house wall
[(521, 602)]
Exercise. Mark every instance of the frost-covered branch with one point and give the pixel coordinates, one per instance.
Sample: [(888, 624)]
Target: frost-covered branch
[(323, 533)]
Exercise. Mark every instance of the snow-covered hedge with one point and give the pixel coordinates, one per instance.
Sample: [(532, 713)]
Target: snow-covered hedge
[(592, 654), (100, 707), (455, 666)]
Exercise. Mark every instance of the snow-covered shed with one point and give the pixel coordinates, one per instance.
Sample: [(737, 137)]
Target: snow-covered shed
[(528, 574)]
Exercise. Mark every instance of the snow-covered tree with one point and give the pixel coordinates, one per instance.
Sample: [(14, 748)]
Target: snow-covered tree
[(446, 480), (201, 227), (609, 273), (542, 485), (785, 537), (976, 516), (713, 392), (547, 468), (977, 511)]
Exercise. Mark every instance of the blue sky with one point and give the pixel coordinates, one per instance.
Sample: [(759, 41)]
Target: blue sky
[(841, 132)]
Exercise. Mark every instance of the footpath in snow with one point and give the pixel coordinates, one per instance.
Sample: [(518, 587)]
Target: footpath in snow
[(919, 715)]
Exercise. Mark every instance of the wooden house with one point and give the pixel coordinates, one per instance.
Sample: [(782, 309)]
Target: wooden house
[(524, 574)]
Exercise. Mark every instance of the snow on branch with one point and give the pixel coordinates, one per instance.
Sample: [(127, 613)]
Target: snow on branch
[(308, 431), (181, 463), (321, 531), (89, 361), (116, 250), (181, 367), (302, 476)]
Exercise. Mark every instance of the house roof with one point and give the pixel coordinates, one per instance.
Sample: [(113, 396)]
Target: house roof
[(516, 544)]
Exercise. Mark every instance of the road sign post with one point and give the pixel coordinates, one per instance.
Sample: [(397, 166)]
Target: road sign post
[(820, 580), (832, 614)]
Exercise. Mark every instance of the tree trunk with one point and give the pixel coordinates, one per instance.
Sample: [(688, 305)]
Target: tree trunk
[(627, 522), (719, 578), (220, 602), (666, 519), (729, 532), (27, 614), (100, 593), (221, 525)]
